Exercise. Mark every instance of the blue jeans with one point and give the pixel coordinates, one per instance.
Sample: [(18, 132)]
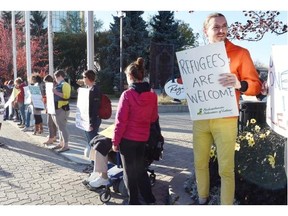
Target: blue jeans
[(22, 113), (91, 134), (28, 117)]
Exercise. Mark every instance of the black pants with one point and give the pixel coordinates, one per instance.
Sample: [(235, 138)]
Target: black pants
[(135, 174)]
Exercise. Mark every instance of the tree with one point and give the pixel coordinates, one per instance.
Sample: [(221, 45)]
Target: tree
[(165, 29), (135, 43), (98, 24), (37, 23), (72, 23), (38, 52), (187, 37), (70, 54), (6, 17), (257, 25)]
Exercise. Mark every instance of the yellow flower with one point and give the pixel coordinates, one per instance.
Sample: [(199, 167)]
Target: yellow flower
[(212, 152), (271, 160), (268, 132), (257, 128), (262, 136), (251, 142), (237, 146), (249, 135), (241, 137), (252, 121)]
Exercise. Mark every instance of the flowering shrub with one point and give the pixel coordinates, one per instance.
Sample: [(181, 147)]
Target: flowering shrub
[(259, 165), (260, 158)]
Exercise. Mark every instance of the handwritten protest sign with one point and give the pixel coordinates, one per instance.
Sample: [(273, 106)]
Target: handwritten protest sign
[(277, 99), (200, 68), (36, 97), (82, 112), (27, 95)]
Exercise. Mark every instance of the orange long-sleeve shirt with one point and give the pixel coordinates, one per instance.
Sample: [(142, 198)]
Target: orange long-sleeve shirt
[(242, 65)]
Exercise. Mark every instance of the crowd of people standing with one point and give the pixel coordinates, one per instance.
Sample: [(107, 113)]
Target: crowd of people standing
[(21, 108)]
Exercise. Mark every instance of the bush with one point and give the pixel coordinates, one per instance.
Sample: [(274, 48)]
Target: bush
[(259, 166)]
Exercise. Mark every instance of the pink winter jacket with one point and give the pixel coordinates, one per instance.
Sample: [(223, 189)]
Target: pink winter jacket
[(135, 112)]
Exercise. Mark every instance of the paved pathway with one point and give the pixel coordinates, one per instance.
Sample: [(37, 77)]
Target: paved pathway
[(31, 174)]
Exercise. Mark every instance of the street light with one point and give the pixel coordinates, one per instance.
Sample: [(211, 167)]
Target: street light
[(121, 15)]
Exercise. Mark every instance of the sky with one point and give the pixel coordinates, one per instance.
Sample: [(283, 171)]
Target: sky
[(260, 51)]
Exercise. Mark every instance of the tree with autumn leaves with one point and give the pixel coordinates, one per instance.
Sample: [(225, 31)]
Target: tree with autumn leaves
[(39, 48)]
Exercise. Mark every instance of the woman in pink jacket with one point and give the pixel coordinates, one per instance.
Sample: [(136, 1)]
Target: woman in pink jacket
[(137, 109)]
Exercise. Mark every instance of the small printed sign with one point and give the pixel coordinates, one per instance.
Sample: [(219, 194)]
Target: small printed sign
[(175, 89)]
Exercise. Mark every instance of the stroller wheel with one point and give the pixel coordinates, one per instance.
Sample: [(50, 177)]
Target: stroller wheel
[(152, 179), (105, 195)]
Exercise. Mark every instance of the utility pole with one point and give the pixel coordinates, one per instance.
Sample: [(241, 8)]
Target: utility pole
[(90, 40), (28, 47), (121, 15), (50, 44), (14, 45)]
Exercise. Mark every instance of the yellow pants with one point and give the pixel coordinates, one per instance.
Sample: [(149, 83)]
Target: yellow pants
[(222, 132)]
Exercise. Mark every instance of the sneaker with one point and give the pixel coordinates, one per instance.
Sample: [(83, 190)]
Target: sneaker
[(22, 126), (91, 177), (98, 182), (25, 129), (200, 201)]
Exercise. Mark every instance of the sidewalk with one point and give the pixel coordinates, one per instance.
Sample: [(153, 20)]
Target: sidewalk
[(171, 172)]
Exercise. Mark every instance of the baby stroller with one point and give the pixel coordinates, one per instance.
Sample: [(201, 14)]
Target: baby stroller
[(154, 150)]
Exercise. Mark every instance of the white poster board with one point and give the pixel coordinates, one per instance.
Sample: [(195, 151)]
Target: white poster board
[(36, 97), (50, 106), (2, 109), (277, 99), (27, 95), (12, 97), (82, 112), (200, 68)]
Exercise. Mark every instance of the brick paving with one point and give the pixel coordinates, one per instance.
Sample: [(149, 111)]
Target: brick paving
[(31, 174)]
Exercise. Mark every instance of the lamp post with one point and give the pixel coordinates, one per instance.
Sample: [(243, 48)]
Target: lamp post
[(121, 15)]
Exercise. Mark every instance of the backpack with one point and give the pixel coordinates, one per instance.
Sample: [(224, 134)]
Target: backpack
[(105, 109), (154, 147)]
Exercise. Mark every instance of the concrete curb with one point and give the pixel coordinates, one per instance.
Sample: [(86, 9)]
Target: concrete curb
[(171, 108)]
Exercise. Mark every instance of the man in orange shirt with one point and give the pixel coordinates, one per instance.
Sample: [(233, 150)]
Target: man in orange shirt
[(222, 131)]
